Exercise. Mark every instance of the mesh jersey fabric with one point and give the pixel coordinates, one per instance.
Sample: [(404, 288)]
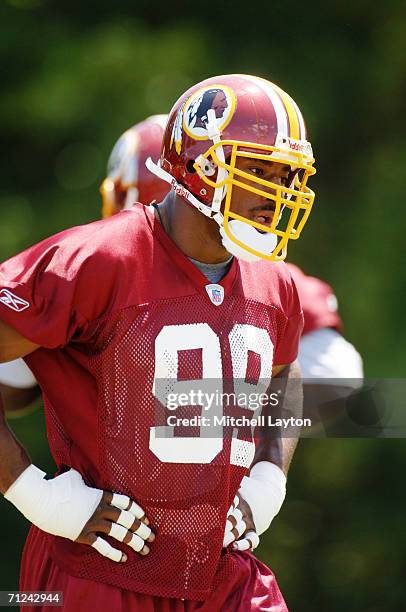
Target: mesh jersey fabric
[(117, 308)]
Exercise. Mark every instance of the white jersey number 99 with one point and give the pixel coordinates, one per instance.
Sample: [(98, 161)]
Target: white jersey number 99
[(207, 391)]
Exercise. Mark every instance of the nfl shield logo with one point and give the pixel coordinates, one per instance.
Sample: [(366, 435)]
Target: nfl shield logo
[(215, 293)]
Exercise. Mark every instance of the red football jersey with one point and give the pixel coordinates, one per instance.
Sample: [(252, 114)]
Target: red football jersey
[(125, 319), (318, 301)]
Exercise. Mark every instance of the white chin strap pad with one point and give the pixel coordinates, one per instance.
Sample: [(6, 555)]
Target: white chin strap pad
[(248, 235)]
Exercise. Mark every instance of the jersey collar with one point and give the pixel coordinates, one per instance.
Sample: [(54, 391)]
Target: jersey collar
[(183, 262)]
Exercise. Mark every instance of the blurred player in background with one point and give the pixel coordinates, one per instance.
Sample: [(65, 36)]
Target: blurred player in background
[(128, 179), (332, 368)]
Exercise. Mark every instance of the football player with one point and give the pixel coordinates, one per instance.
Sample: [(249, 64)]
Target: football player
[(120, 318), (331, 366)]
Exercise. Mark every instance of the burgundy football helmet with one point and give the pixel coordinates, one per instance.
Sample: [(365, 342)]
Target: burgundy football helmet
[(128, 180), (223, 119)]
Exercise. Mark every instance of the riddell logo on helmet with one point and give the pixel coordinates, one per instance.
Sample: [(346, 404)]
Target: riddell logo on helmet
[(301, 147), (179, 189)]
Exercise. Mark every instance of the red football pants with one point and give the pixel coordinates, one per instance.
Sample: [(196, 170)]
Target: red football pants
[(252, 588)]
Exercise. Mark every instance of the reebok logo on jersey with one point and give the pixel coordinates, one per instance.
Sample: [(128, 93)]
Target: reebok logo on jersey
[(13, 301)]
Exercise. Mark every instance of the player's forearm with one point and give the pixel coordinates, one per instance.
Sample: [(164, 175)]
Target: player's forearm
[(277, 444), (280, 452), (13, 457), (289, 447), (264, 490)]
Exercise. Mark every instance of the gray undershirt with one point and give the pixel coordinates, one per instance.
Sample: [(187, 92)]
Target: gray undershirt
[(213, 272)]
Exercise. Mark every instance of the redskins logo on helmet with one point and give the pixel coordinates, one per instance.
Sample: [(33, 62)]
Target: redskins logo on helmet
[(128, 180), (215, 124)]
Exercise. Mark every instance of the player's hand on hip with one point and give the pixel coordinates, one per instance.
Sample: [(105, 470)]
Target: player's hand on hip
[(65, 506), (122, 519), (240, 529)]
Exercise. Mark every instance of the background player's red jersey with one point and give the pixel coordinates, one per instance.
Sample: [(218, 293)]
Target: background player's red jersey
[(125, 319), (318, 301)]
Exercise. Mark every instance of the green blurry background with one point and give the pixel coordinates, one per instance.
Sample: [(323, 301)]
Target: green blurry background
[(76, 74)]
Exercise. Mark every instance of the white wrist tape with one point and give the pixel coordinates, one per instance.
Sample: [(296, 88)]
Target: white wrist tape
[(61, 506), (264, 490)]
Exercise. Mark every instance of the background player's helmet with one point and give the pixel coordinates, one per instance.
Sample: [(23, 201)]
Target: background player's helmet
[(128, 180), (220, 120)]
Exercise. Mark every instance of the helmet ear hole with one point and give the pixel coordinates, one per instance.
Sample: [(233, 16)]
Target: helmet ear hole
[(189, 166)]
